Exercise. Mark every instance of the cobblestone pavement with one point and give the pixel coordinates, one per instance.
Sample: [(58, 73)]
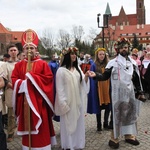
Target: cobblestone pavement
[(99, 140)]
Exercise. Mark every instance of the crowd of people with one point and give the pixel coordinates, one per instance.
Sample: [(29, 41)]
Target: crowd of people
[(143, 61), (34, 93)]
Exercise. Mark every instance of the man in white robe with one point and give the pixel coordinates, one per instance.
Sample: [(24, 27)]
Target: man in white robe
[(125, 81), (8, 67)]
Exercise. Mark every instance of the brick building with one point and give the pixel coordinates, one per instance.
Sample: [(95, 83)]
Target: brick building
[(9, 37), (125, 25)]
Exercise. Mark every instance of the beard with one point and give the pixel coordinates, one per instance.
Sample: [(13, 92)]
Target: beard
[(124, 53)]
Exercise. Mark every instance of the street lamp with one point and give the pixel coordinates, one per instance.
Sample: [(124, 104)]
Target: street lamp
[(105, 24)]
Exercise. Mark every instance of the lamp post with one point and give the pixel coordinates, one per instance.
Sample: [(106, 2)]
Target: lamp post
[(105, 24)]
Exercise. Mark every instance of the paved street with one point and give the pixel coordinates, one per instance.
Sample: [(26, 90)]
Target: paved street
[(99, 140)]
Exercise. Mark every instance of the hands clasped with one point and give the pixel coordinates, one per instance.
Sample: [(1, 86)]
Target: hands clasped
[(90, 74)]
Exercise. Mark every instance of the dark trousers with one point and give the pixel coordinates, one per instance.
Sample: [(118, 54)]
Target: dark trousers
[(106, 116), (144, 85), (4, 120), (3, 144)]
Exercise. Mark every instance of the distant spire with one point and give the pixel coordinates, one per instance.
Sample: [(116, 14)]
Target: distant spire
[(107, 12)]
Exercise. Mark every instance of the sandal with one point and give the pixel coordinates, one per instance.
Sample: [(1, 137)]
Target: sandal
[(113, 144), (133, 142)]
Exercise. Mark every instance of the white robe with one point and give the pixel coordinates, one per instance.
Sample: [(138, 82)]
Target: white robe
[(8, 68), (124, 104), (69, 105)]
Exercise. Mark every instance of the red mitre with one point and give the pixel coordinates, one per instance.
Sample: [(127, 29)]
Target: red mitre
[(29, 37)]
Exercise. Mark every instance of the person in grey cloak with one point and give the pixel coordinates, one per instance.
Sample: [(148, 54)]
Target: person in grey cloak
[(126, 93), (72, 86)]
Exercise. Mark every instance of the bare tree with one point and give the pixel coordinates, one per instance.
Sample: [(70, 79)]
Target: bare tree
[(78, 32), (109, 46), (47, 40), (64, 39), (92, 33)]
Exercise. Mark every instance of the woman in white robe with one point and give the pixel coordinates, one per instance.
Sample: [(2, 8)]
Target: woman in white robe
[(72, 87)]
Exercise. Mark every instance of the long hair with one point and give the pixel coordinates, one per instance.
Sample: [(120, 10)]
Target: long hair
[(67, 63), (100, 64)]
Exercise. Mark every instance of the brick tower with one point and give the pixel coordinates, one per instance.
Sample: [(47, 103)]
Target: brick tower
[(140, 11)]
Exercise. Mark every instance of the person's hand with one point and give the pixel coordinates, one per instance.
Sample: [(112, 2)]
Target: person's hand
[(87, 74), (9, 85), (91, 74)]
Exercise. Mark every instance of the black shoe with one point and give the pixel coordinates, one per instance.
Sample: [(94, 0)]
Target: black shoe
[(113, 145), (110, 126), (133, 142), (105, 126), (99, 129)]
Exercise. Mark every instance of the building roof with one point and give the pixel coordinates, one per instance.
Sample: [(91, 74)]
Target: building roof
[(130, 19), (133, 19), (3, 29), (107, 11), (126, 31), (15, 35)]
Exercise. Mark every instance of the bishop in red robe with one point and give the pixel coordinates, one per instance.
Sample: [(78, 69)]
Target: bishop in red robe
[(33, 99)]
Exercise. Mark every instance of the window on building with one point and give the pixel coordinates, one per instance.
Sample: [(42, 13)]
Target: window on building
[(15, 38), (137, 33), (130, 34), (147, 33), (124, 34), (1, 47)]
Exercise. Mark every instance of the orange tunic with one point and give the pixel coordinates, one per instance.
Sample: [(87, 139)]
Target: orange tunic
[(103, 91)]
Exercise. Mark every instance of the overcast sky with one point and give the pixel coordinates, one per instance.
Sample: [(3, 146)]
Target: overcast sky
[(19, 15)]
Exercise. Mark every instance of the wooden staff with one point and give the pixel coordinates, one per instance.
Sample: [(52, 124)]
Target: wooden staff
[(29, 111), (28, 37)]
